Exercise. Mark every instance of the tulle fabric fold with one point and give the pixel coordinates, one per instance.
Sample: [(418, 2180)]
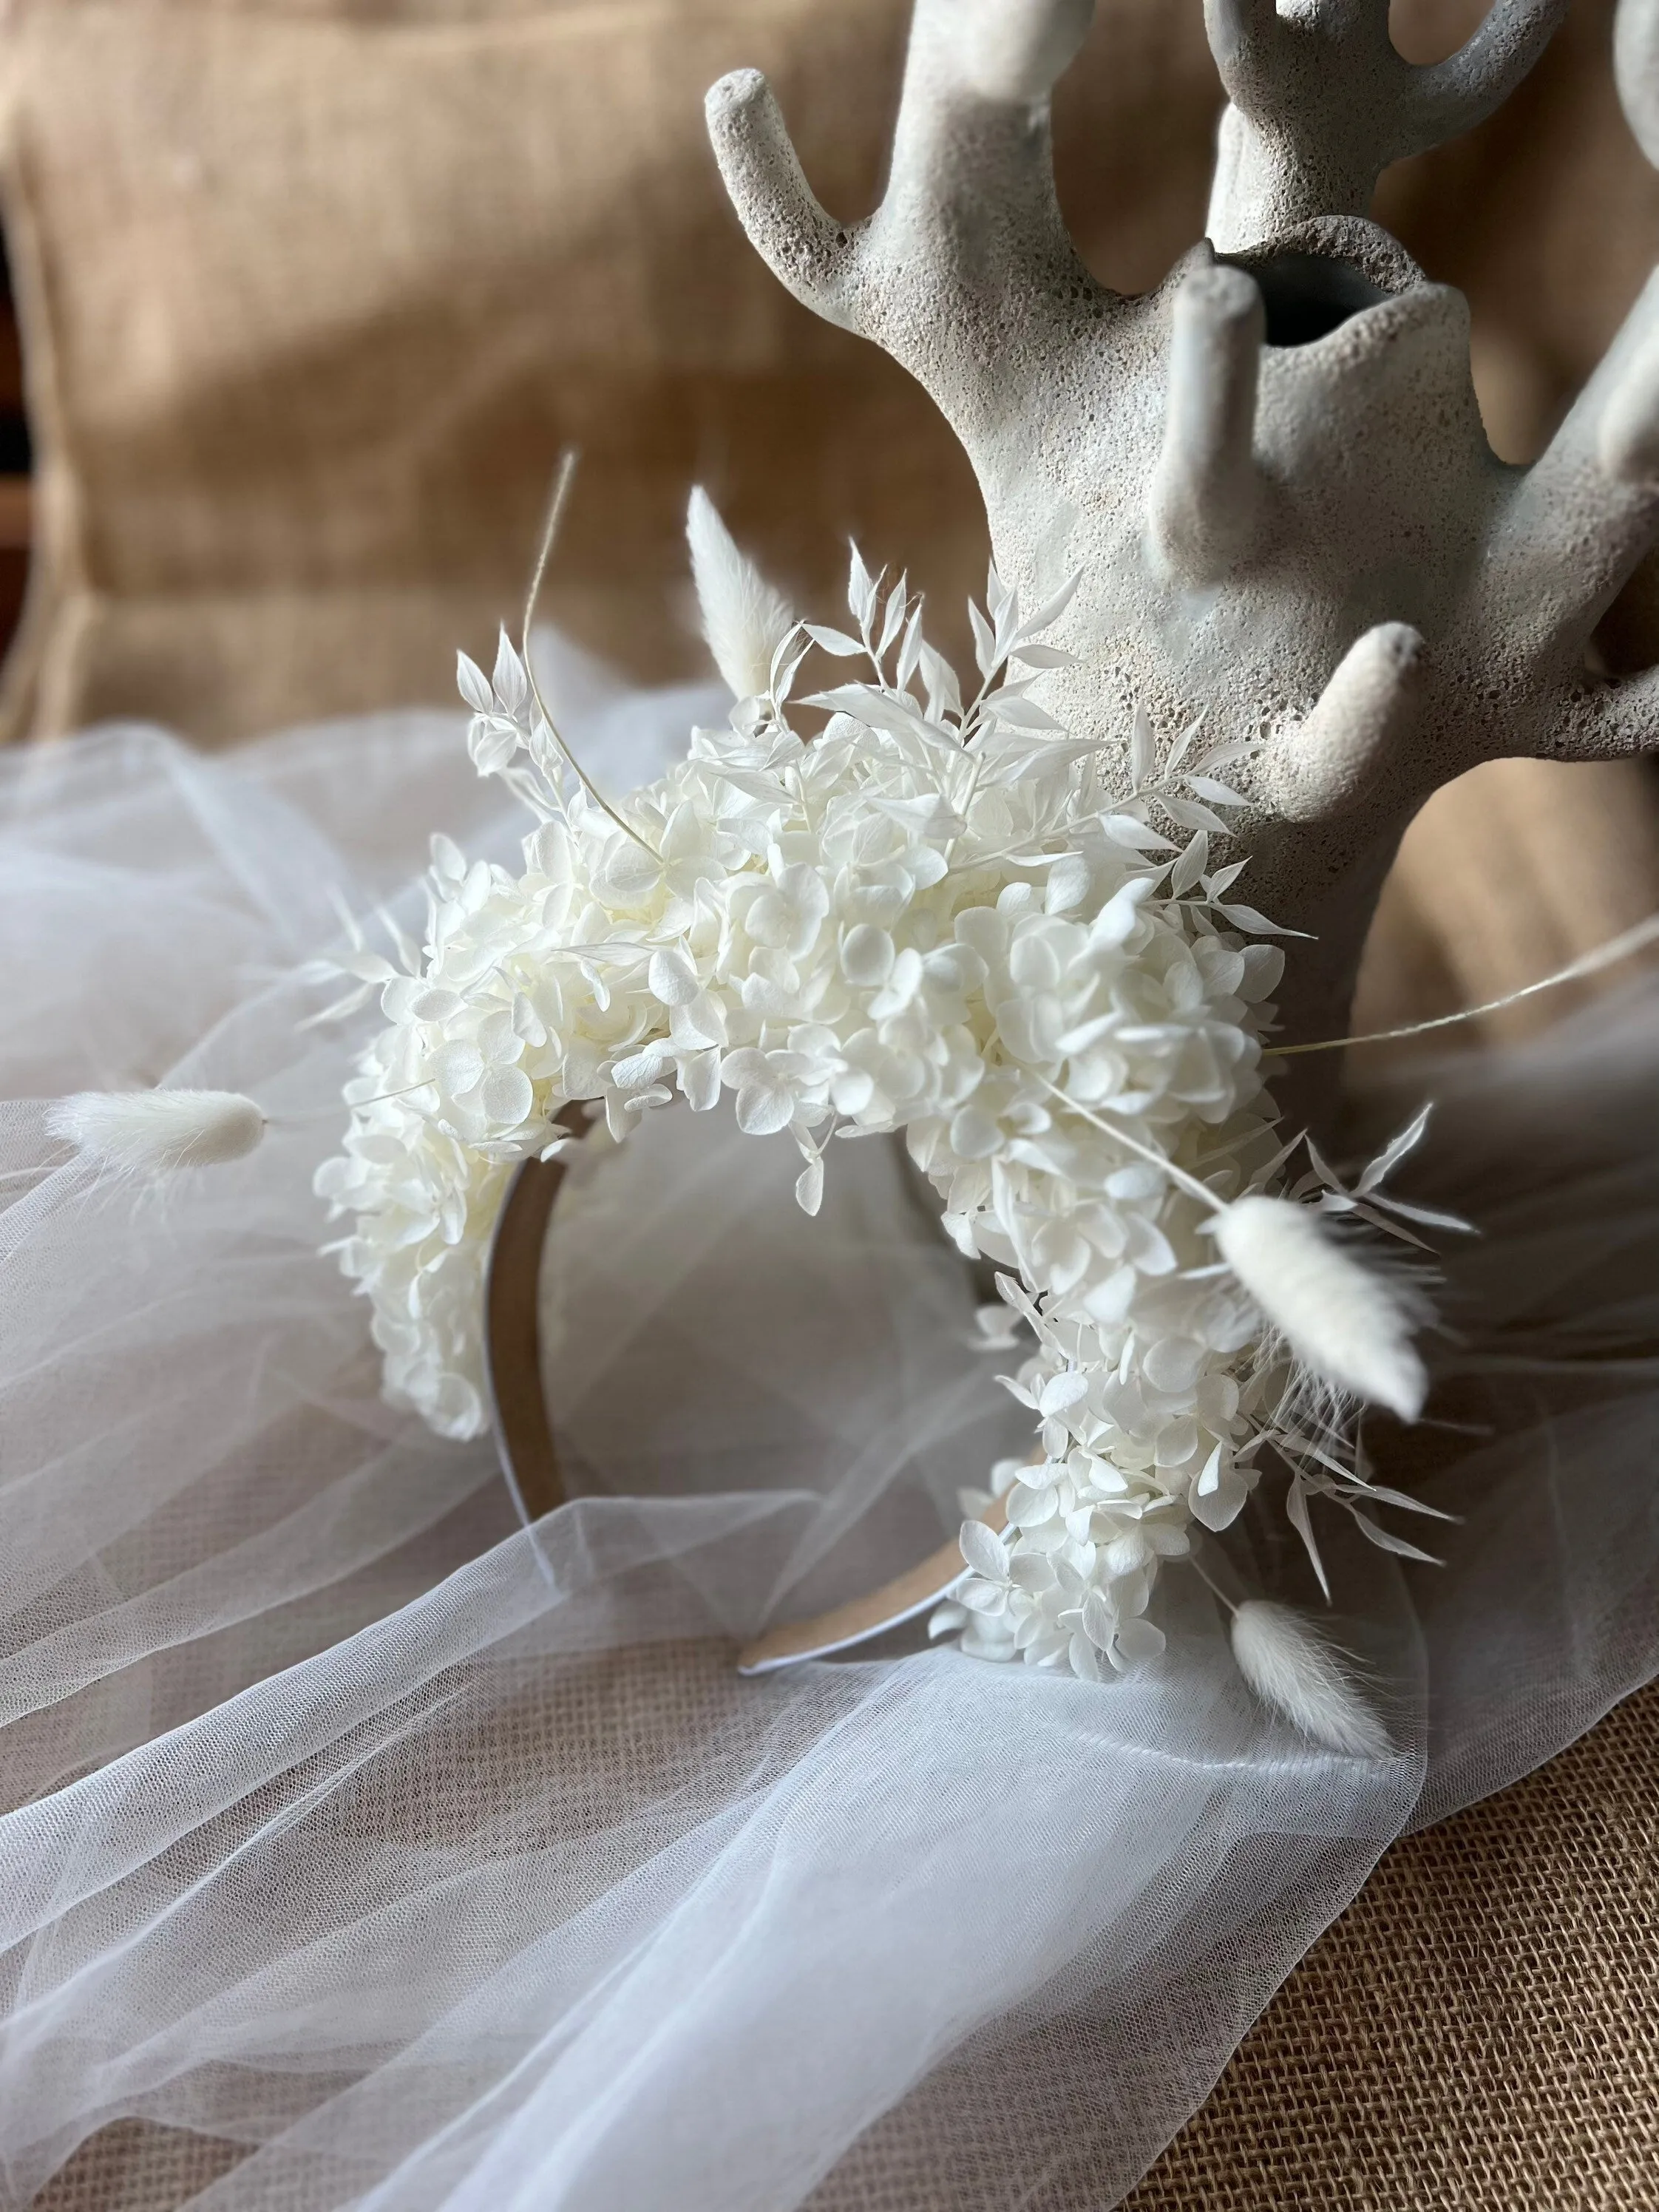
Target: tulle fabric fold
[(431, 1862)]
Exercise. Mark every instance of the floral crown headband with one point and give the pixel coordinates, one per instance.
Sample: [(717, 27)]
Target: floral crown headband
[(934, 917)]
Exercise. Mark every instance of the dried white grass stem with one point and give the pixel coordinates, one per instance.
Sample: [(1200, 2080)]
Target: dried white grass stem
[(1345, 1322), (1629, 941), (1296, 1671), (142, 1132), (1150, 1153), (557, 505), (745, 619)]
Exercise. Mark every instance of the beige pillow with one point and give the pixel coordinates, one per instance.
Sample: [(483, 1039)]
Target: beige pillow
[(312, 291), (314, 294), (311, 298)]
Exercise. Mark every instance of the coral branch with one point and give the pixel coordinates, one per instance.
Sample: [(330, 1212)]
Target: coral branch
[(1585, 516), (1370, 708), (1611, 721), (1246, 470), (1014, 50), (1206, 491), (1636, 70), (1588, 509), (967, 252), (1321, 103), (1452, 96), (801, 244), (1627, 437)]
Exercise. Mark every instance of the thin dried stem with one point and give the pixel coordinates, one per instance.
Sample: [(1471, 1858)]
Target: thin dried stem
[(1142, 1151), (557, 505), (1622, 947)]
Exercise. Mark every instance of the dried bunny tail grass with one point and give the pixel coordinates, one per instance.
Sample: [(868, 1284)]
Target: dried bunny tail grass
[(1298, 1674), (143, 1133), (1349, 1323), (744, 618)]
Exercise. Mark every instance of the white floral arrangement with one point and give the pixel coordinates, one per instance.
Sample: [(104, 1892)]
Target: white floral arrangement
[(932, 915)]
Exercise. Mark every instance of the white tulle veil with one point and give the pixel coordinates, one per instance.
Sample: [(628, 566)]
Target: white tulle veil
[(425, 1861)]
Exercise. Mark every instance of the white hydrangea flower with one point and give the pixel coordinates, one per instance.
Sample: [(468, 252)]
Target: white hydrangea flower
[(929, 918)]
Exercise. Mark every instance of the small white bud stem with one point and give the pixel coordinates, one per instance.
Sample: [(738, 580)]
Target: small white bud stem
[(744, 618)]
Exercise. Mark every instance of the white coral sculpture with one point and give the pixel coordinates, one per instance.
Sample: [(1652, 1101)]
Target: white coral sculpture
[(1270, 473), (1260, 587)]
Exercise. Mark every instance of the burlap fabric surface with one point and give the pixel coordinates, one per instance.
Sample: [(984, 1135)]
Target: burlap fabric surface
[(314, 291)]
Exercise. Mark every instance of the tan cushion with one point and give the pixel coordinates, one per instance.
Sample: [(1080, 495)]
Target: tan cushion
[(313, 293), (311, 305)]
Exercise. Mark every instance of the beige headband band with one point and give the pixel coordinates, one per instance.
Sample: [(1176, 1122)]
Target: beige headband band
[(522, 1426)]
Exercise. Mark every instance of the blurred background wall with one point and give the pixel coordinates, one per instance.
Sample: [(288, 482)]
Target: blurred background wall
[(312, 291)]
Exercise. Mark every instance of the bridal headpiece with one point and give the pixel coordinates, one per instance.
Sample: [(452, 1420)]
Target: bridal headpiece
[(898, 905)]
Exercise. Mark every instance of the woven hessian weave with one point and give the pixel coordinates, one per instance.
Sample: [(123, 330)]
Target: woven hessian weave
[(1477, 2031)]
